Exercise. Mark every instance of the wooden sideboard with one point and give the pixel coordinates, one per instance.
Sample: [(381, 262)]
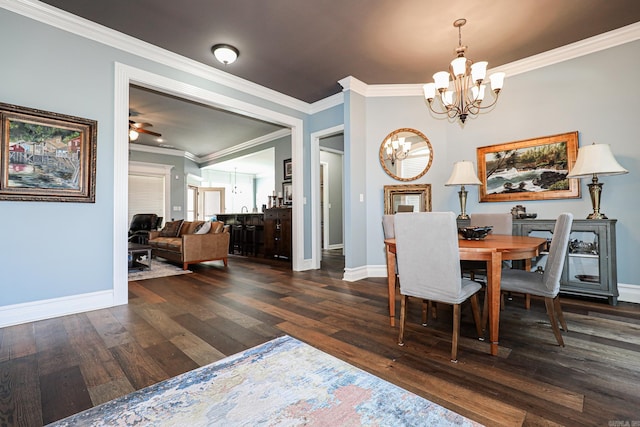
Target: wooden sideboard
[(277, 233), (590, 267)]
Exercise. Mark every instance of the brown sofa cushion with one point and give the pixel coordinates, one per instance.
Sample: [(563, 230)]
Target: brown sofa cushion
[(171, 229)]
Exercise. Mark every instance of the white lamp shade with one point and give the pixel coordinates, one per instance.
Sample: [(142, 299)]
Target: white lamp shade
[(479, 71), (429, 91), (497, 81), (441, 79), (478, 92), (459, 66), (447, 97), (595, 159), (463, 174)]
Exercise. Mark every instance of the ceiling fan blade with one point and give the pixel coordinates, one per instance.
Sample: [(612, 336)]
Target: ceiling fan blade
[(142, 130), (139, 125)]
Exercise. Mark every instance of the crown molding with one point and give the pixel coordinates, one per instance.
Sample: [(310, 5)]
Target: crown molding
[(326, 103), (160, 150), (246, 145), (580, 48), (84, 28)]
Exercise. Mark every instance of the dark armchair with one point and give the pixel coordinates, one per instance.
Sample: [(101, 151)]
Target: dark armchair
[(140, 226)]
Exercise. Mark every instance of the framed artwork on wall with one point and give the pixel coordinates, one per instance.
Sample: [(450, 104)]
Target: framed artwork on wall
[(46, 157), (287, 193), (532, 169), (288, 169)]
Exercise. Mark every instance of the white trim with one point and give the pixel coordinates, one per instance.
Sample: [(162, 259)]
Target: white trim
[(246, 145), (126, 75), (325, 213), (316, 249), (160, 150), (336, 246), (629, 293), (355, 274), (45, 309)]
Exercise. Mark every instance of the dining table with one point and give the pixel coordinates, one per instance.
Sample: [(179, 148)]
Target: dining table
[(493, 249)]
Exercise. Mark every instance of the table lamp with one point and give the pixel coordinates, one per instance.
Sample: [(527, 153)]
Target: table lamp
[(463, 174), (594, 160)]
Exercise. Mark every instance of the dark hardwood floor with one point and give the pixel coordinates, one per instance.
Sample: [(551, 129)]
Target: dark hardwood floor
[(53, 368)]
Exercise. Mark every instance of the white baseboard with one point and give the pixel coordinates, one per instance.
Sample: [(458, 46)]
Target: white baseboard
[(47, 309), (335, 246), (629, 293), (354, 274)]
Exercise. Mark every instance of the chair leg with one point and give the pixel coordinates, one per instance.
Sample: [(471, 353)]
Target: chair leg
[(556, 304), (476, 314), (527, 301), (403, 318), (548, 302), (433, 309), (485, 310), (456, 333), (425, 311)]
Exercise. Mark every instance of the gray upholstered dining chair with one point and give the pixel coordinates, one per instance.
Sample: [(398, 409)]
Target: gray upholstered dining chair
[(502, 224), (545, 285), (429, 268)]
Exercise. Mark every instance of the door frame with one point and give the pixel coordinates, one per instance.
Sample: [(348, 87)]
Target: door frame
[(126, 75), (316, 243)]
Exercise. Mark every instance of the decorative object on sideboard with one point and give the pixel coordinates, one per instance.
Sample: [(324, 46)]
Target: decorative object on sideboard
[(594, 160), (474, 233), (468, 91), (520, 212), (463, 174), (406, 154)]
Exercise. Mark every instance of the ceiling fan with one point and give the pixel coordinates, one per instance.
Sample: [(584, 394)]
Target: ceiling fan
[(136, 128)]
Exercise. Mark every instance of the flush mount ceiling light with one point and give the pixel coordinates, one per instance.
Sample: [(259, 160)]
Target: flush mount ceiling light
[(467, 78), (225, 53)]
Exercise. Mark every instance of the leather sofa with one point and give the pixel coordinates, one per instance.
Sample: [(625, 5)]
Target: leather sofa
[(187, 247)]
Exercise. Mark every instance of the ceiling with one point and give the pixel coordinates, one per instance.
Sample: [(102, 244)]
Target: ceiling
[(303, 48)]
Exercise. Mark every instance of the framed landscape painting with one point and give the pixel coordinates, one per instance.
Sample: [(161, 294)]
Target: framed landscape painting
[(46, 156), (533, 169)]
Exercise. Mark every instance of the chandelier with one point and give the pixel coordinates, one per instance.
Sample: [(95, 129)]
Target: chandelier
[(468, 90), (396, 149)]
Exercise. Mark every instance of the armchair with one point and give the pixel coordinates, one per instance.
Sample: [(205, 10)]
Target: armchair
[(140, 226)]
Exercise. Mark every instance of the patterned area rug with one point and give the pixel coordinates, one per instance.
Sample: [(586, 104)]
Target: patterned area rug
[(283, 382), (159, 268)]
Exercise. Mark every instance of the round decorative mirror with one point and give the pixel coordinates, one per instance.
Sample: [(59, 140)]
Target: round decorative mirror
[(406, 154)]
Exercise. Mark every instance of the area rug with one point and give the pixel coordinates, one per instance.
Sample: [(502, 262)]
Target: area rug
[(159, 268), (283, 382)]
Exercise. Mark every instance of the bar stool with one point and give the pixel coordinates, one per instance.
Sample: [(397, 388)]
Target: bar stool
[(249, 241), (237, 238)]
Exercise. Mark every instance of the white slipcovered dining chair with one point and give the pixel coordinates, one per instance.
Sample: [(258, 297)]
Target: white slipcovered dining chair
[(545, 285), (429, 268), (502, 223)]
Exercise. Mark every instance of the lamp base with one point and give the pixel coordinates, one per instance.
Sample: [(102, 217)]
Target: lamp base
[(597, 215), (464, 216)]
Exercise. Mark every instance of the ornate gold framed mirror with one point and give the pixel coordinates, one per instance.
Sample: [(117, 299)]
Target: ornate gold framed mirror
[(407, 198), (406, 154)]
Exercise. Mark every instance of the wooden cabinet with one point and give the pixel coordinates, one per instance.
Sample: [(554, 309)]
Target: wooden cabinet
[(277, 233), (590, 267), (246, 232)]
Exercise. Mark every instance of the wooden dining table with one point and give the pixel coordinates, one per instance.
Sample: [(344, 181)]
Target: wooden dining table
[(493, 249)]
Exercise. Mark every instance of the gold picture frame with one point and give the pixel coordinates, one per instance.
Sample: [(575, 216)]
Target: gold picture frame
[(46, 157), (531, 169), (399, 197)]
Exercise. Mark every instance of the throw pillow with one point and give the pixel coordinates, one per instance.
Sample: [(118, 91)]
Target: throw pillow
[(171, 229), (202, 228), (217, 226)]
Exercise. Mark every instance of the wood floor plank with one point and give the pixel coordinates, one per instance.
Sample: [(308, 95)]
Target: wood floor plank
[(20, 398), (64, 393), (17, 341), (173, 324)]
